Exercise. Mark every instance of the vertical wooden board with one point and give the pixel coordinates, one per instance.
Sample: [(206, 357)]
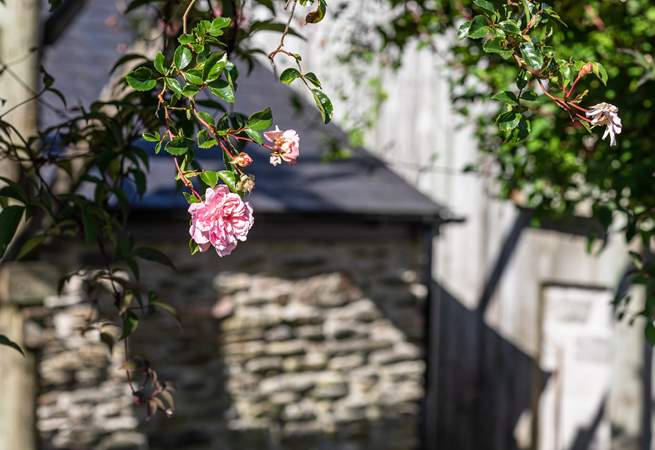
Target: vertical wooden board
[(576, 351), (17, 386)]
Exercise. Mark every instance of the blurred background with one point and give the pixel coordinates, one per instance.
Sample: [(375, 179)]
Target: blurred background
[(386, 300)]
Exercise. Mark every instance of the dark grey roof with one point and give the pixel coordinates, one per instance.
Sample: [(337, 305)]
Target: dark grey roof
[(81, 59), (361, 185)]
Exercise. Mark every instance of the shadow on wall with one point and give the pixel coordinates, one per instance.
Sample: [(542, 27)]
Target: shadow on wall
[(485, 382), (483, 390), (297, 353), (313, 344)]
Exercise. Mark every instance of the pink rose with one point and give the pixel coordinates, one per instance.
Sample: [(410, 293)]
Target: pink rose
[(221, 220), (286, 145)]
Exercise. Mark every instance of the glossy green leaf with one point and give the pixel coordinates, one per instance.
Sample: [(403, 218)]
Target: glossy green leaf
[(485, 5), (532, 55), (210, 178), (312, 78), (261, 120), (178, 146), (506, 97), (152, 137), (324, 105), (213, 67), (229, 178), (479, 28), (141, 79), (289, 75), (254, 135), (223, 90), (173, 85), (160, 63), (182, 57), (218, 25)]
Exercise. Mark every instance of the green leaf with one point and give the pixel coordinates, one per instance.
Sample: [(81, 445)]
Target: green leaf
[(152, 137), (130, 323), (222, 89), (141, 79), (193, 247), (261, 120), (9, 219), (182, 57), (485, 5), (289, 75), (187, 39), (495, 46), (4, 340), (229, 178), (510, 27), (167, 308), (30, 245), (311, 76), (218, 24), (210, 178), (190, 90), (600, 73), (193, 76), (506, 97), (206, 117), (178, 146), (154, 255), (160, 63), (213, 67), (317, 15), (254, 135), (508, 121), (479, 28), (532, 55), (324, 105), (205, 139), (463, 31), (173, 85)]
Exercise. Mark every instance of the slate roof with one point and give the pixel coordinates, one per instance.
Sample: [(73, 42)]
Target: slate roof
[(359, 186)]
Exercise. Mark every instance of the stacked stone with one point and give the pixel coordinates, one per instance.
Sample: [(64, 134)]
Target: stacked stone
[(312, 344), (83, 400), (315, 357)]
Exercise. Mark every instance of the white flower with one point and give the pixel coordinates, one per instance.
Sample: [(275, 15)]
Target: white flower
[(606, 114)]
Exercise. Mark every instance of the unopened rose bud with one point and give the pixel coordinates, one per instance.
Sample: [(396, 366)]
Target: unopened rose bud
[(586, 70), (242, 160), (246, 183)]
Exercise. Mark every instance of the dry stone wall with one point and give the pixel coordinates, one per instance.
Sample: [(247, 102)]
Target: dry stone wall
[(285, 345)]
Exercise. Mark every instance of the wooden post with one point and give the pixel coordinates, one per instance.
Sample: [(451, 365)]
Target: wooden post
[(19, 30), (21, 285)]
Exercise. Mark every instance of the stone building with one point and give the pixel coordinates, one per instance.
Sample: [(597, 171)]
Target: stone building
[(315, 333)]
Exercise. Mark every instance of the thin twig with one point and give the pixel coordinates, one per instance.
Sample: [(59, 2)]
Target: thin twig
[(280, 47), (186, 15)]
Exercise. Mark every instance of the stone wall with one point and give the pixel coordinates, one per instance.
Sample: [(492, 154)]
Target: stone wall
[(293, 344)]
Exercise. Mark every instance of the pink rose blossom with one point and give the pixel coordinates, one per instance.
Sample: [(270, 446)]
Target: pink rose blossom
[(286, 145), (221, 220)]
